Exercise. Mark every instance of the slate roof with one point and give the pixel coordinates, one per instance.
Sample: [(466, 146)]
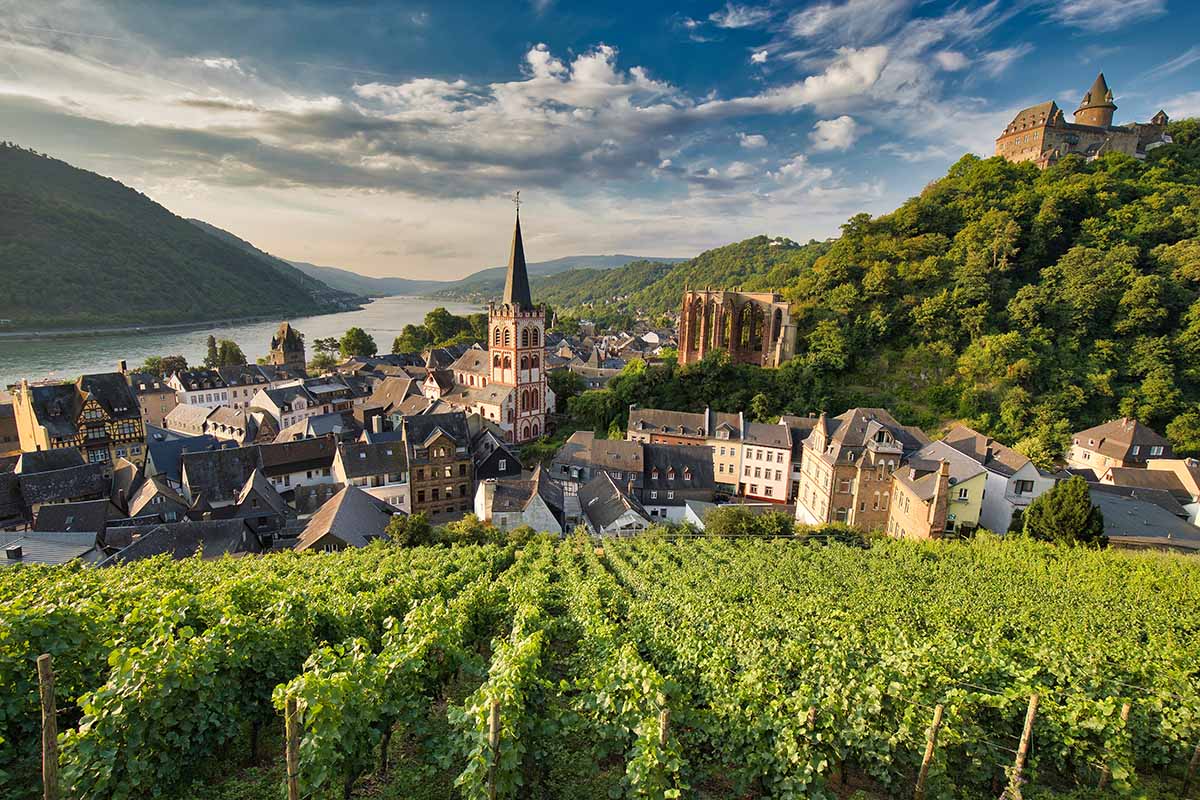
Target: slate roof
[(418, 429), (1159, 497), (334, 423), (147, 383), (1136, 522), (353, 516), (282, 458), (220, 474), (985, 451), (89, 516), (852, 430), (284, 396), (516, 278), (392, 391), (187, 418), (166, 456), (1032, 117), (243, 375), (1150, 479), (691, 466), (84, 481), (12, 503), (799, 428), (615, 454), (113, 393), (697, 424), (45, 547), (56, 407), (258, 484), (474, 360), (182, 539), (443, 378), (515, 495), (151, 488), (1117, 437), (197, 379), (603, 502), (760, 433), (962, 466), (360, 460), (47, 460)]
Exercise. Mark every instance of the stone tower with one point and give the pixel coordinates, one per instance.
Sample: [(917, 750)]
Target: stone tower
[(517, 341), (287, 350), (1097, 107)]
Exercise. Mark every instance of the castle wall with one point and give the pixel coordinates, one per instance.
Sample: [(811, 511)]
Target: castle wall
[(752, 327)]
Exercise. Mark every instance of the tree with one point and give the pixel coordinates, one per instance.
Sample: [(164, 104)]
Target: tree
[(1065, 515), (321, 363), (229, 354), (357, 342), (410, 530), (165, 366), (412, 339), (565, 385), (327, 345), (212, 359)]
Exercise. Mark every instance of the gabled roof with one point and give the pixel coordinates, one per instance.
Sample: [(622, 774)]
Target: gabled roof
[(854, 429), (243, 375), (351, 516), (760, 433), (147, 383), (89, 516), (143, 500), (677, 467), (1159, 497), (197, 379), (220, 474), (514, 495), (125, 478), (166, 456), (1117, 438), (258, 485), (361, 460), (45, 547), (1138, 478), (962, 467), (84, 481), (281, 458), (186, 417), (985, 451), (335, 423), (603, 502), (419, 430), (184, 539), (284, 396), (113, 393), (474, 360), (1132, 521), (1034, 116), (920, 476), (391, 392)]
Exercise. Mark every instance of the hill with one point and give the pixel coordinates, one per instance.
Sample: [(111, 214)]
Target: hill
[(489, 283), (114, 256), (366, 285)]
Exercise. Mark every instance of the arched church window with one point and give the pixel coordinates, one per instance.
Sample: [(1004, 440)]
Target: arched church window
[(536, 336), (525, 337)]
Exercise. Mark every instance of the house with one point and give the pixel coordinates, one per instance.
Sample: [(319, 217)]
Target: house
[(848, 460), (69, 485), (300, 463), (98, 414), (207, 538), (584, 457), (609, 511), (187, 420), (333, 394), (1159, 480), (164, 454), (967, 487), (262, 508), (798, 428), (88, 516), (218, 475), (494, 457), (352, 518), (441, 470), (720, 431), (1187, 471), (1131, 521), (10, 439), (380, 470), (1121, 442), (244, 380), (156, 496), (673, 474), (593, 377), (920, 490), (342, 426), (288, 403), (199, 387), (1012, 480), (155, 396), (48, 547), (390, 392), (766, 462), (512, 502)]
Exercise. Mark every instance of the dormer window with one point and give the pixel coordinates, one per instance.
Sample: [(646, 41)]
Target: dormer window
[(687, 473), (670, 473), (654, 474)]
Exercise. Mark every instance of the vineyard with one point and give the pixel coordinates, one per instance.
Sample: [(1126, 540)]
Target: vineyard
[(643, 669)]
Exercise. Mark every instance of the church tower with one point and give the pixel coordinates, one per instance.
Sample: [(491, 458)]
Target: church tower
[(1097, 107), (517, 341), (287, 350)]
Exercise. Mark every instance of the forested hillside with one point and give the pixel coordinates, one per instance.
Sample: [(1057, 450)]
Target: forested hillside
[(1027, 303), (77, 248)]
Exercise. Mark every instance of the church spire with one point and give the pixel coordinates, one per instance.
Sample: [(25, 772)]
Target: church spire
[(516, 283)]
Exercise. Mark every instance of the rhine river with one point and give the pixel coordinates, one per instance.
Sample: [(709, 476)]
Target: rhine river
[(70, 356)]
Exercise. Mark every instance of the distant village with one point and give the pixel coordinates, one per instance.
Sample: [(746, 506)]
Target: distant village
[(253, 458)]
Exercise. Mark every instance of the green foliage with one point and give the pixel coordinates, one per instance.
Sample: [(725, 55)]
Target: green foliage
[(1065, 515), (441, 329), (114, 256), (356, 342), (164, 366), (565, 385), (410, 530), (328, 345), (321, 363)]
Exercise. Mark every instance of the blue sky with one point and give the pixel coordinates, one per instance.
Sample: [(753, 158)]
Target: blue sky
[(385, 136)]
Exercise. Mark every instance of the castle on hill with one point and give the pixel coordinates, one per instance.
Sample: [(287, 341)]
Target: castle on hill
[(1042, 135)]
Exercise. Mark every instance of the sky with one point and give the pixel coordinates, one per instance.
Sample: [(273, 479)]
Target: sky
[(387, 137)]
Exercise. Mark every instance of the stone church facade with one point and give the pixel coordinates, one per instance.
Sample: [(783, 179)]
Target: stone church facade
[(752, 327), (1042, 135)]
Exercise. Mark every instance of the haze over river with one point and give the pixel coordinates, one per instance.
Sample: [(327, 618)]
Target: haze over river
[(70, 356)]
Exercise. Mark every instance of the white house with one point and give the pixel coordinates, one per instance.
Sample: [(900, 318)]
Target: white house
[(1013, 481), (288, 404), (511, 503), (199, 387), (379, 469), (608, 511)]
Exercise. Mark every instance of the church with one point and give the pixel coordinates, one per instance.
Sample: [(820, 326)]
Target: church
[(506, 383), (1042, 135)]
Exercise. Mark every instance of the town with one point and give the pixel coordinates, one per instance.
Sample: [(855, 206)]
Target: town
[(250, 458)]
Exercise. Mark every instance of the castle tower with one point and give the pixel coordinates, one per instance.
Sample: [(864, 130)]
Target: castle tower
[(287, 350), (1097, 106), (517, 345)]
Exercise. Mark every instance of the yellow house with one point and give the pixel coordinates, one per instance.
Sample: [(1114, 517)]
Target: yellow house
[(935, 492), (99, 414)]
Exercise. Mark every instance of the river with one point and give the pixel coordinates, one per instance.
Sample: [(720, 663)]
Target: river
[(69, 357)]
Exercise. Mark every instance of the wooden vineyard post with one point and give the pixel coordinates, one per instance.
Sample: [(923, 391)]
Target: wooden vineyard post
[(811, 722), (49, 728), (291, 725), (1014, 782), (1193, 765), (1106, 770), (494, 744), (930, 746), (664, 722)]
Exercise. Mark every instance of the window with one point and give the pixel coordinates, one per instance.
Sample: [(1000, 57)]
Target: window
[(844, 486), (653, 495), (462, 470), (1134, 450), (767, 491), (747, 470), (670, 494), (963, 494), (1156, 450), (421, 496), (1023, 487), (503, 464), (754, 488)]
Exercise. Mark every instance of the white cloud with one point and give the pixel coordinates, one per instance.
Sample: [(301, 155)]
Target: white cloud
[(854, 22), (1182, 61), (799, 172), (834, 134), (740, 16), (739, 169), (951, 60), (1185, 105), (996, 62), (1103, 15), (752, 141), (759, 57), (220, 63)]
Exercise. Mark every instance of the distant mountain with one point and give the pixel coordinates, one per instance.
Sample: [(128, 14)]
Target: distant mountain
[(481, 285), (79, 249)]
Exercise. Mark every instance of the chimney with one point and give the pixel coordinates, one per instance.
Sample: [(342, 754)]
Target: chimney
[(489, 493), (121, 502), (122, 367), (941, 495), (377, 423), (987, 451), (13, 552)]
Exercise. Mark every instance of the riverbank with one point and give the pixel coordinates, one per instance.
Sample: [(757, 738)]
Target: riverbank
[(66, 333)]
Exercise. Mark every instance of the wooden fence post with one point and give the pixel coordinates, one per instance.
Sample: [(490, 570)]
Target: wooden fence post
[(494, 744), (49, 728), (664, 722), (930, 745), (811, 722), (291, 726), (1014, 781), (1106, 770), (1191, 772)]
